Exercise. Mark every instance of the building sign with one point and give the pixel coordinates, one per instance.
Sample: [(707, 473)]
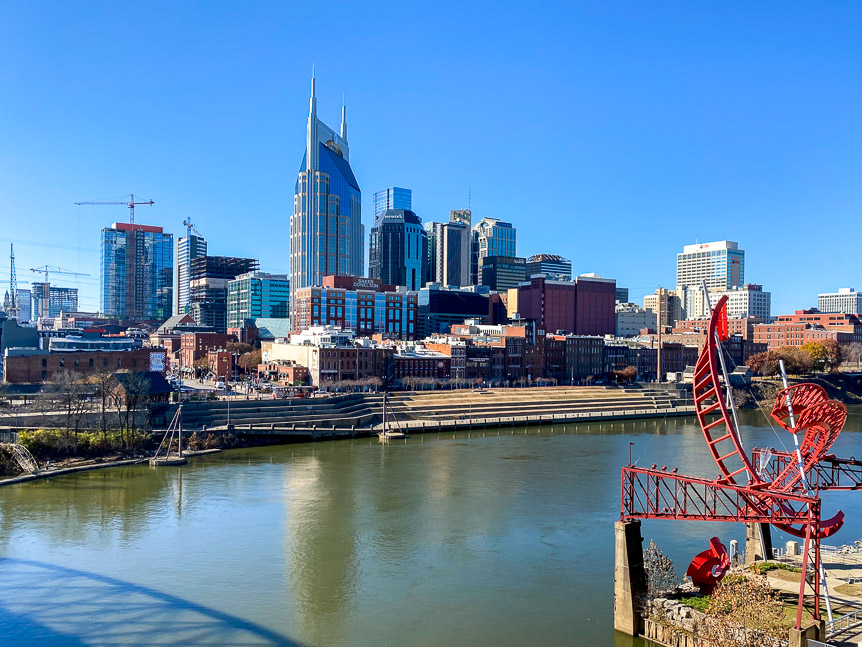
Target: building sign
[(157, 362), (365, 284)]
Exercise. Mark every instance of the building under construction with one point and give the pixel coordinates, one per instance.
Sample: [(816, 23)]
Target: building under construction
[(208, 281)]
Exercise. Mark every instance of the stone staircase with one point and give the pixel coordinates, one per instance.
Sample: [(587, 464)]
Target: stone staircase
[(495, 403), (364, 410), (340, 411)]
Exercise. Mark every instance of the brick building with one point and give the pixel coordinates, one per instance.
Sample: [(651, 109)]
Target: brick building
[(196, 345), (30, 365), (363, 305)]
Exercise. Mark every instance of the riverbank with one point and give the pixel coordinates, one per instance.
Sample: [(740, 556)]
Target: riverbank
[(50, 472), (839, 386)]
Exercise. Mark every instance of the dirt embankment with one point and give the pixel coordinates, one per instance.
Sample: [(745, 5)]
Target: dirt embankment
[(839, 386)]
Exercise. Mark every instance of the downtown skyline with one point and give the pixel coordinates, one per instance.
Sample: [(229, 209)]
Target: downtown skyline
[(740, 170)]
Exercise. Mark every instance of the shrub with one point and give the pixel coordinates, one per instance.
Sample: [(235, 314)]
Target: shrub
[(764, 567), (697, 602)]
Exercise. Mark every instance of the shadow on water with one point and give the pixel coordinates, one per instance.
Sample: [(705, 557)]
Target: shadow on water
[(46, 604)]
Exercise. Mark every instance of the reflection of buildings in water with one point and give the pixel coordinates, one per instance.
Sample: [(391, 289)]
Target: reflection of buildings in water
[(103, 506), (320, 543)]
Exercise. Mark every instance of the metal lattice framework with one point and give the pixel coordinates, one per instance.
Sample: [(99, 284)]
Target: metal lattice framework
[(785, 494), (23, 457)]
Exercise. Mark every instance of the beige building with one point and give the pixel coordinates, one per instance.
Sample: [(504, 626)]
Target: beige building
[(666, 305)]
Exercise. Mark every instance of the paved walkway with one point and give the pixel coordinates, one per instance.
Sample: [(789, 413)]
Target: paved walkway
[(841, 568)]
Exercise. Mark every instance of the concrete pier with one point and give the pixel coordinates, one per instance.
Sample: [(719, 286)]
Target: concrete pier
[(754, 549), (629, 577)]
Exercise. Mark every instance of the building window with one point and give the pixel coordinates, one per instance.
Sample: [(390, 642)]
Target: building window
[(91, 362), (44, 363)]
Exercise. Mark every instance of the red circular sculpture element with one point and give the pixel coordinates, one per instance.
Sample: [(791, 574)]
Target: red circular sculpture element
[(820, 418)]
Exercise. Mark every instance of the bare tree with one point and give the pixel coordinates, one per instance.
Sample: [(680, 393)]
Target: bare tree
[(853, 354), (68, 391), (103, 384), (128, 395), (744, 612)]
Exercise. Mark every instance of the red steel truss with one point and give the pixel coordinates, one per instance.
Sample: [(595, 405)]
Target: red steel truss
[(659, 494), (831, 473), (739, 493)]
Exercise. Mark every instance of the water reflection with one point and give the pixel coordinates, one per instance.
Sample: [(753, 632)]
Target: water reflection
[(53, 605), (501, 537)]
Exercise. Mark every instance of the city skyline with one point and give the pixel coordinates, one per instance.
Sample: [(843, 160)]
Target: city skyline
[(770, 176)]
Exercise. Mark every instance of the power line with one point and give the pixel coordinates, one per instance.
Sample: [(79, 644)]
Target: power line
[(35, 243)]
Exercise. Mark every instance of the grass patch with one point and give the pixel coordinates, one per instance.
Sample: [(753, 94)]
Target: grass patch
[(764, 567), (849, 589), (696, 602)]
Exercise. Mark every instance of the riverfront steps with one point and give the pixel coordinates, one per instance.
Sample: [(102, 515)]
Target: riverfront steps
[(359, 414), (365, 409)]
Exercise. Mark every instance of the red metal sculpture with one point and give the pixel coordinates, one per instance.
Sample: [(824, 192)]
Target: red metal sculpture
[(782, 496), (708, 567)]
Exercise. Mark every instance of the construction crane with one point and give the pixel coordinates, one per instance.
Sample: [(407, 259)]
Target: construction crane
[(14, 308), (53, 269), (191, 228), (130, 203), (46, 288)]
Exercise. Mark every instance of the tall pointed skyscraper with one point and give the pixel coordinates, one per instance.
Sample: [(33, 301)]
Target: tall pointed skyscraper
[(326, 231)]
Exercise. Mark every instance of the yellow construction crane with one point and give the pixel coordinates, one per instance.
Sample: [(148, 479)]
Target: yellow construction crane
[(130, 203)]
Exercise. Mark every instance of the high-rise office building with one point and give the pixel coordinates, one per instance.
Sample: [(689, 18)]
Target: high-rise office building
[(721, 264), (326, 232), (257, 294), (208, 283), (188, 248), (502, 273), (137, 274), (25, 306), (399, 249), (49, 301), (846, 300), (555, 267), (449, 250), (392, 198), (490, 237), (622, 295)]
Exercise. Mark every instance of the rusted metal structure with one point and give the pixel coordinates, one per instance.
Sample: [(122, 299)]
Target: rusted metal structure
[(784, 493)]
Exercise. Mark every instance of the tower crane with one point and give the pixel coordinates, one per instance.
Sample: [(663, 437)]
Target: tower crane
[(45, 296), (130, 203), (187, 223), (14, 309), (53, 269)]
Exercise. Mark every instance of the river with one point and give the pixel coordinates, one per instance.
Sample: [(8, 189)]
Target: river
[(497, 537)]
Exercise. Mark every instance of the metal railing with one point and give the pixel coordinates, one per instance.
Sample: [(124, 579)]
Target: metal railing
[(816, 643), (843, 623)]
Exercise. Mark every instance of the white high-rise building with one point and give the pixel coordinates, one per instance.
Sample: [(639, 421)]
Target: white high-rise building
[(721, 264), (188, 248), (846, 300)]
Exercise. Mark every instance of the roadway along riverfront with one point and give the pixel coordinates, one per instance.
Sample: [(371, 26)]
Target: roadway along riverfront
[(501, 536)]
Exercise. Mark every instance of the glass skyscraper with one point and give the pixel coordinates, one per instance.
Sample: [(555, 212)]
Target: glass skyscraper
[(326, 232), (399, 249), (136, 278), (392, 198), (188, 249), (257, 294), (491, 237)]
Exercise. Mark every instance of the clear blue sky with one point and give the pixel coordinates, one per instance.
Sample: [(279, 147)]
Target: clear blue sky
[(613, 133)]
